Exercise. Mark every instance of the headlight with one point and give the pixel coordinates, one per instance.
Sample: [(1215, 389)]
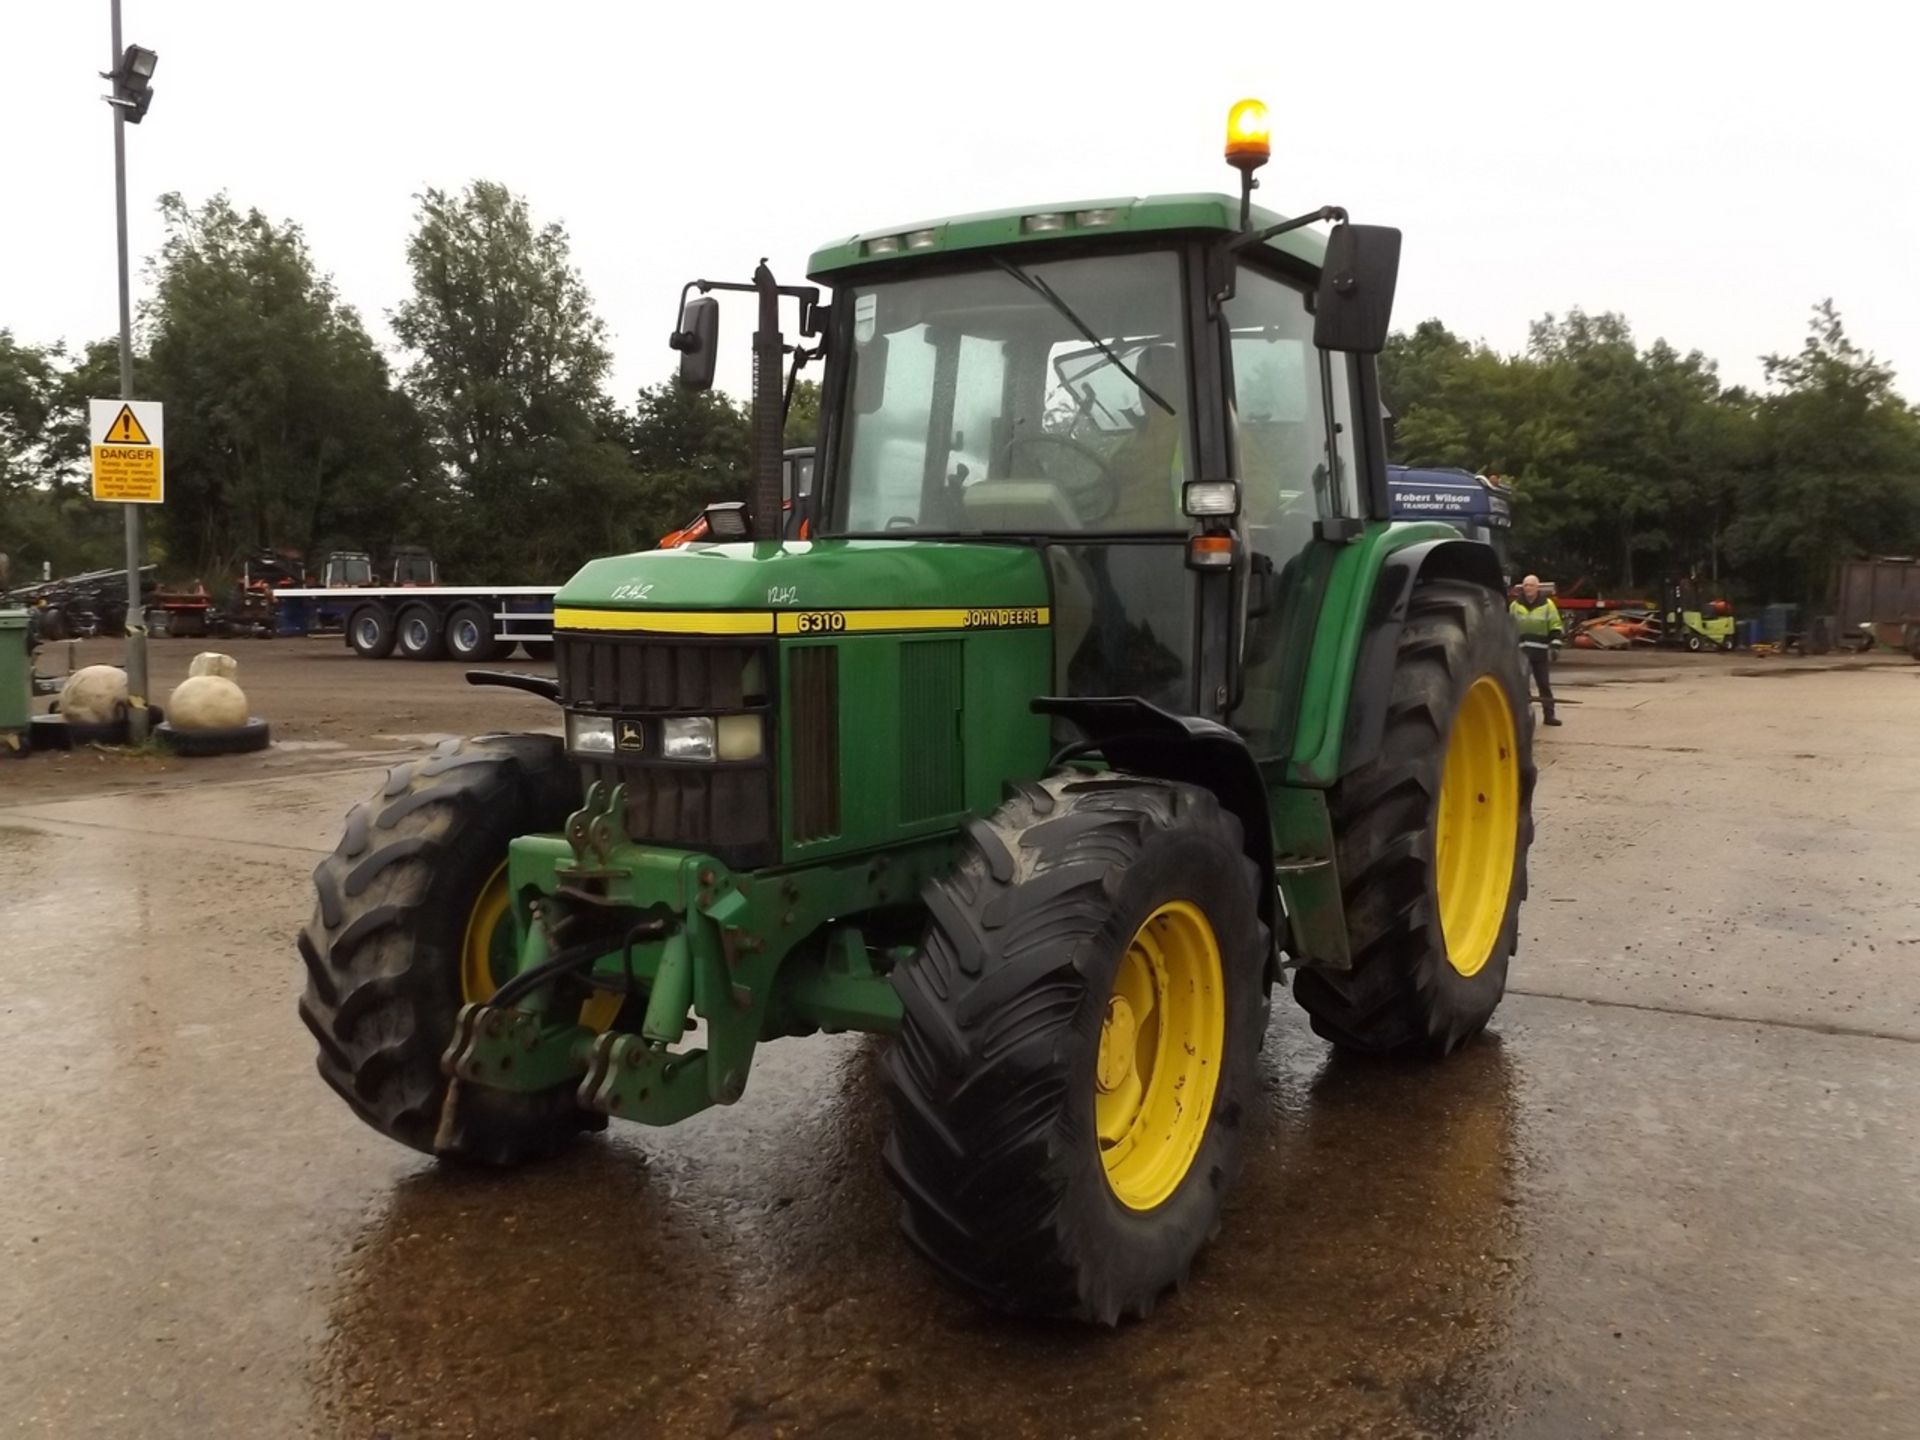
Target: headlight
[(739, 737), (590, 734), (688, 738)]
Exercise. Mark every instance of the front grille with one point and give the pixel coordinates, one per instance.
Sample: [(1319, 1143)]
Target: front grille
[(815, 703), (723, 807), (726, 810), (932, 678), (689, 677)]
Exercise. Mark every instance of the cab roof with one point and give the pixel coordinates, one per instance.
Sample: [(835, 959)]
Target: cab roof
[(1077, 219)]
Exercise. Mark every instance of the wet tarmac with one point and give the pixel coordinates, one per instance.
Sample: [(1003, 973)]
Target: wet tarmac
[(1673, 1194)]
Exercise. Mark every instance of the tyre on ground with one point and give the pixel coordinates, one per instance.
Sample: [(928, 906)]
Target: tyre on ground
[(469, 634), (411, 921), (206, 740), (1076, 1056), (1431, 838), (371, 632), (421, 633)]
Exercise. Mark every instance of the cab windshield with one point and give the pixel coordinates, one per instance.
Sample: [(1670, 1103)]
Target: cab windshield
[(1038, 397)]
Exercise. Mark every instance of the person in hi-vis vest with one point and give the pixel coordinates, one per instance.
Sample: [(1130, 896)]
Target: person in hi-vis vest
[(1537, 619)]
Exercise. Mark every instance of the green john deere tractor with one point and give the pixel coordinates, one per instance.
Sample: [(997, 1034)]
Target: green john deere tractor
[(1104, 694)]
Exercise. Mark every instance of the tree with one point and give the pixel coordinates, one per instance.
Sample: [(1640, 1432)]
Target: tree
[(283, 427), (1842, 464), (509, 362), (47, 516), (691, 449)]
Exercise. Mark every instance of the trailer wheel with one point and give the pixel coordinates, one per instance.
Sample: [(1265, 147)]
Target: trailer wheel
[(421, 636), (371, 632), (407, 927), (469, 634), (1431, 837), (1075, 1065), (53, 624)]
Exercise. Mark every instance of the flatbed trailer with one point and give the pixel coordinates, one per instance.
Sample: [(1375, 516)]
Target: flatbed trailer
[(469, 623)]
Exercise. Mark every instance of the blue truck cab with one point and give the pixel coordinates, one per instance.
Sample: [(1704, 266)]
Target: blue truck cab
[(1480, 509)]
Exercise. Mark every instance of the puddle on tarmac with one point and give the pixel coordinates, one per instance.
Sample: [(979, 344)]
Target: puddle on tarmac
[(771, 1227)]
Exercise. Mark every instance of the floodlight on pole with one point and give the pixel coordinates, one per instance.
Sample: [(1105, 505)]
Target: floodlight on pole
[(132, 80), (132, 70)]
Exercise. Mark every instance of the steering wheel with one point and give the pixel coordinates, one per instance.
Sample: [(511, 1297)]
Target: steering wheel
[(1095, 499)]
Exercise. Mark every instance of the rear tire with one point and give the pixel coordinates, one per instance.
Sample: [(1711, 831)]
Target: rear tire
[(1001, 1080), (421, 634), (384, 949), (1404, 995), (371, 633), (469, 635)]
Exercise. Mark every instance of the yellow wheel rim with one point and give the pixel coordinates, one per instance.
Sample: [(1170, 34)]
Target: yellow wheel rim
[(491, 950), (1477, 826), (488, 952), (1160, 1053)]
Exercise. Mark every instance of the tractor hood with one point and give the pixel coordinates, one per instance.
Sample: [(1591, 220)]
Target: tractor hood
[(760, 579)]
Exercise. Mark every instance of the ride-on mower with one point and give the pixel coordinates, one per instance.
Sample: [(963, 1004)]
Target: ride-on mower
[(1105, 695)]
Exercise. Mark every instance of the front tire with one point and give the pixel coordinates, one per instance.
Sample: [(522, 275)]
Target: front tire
[(406, 930), (1431, 837), (1075, 1063)]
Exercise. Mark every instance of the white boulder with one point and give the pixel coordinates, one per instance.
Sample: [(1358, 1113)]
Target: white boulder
[(94, 695), (212, 662), (207, 702)]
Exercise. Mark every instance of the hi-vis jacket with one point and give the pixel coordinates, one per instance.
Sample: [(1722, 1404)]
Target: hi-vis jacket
[(1537, 624)]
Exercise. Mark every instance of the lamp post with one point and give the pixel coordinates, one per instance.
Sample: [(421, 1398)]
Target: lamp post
[(132, 93)]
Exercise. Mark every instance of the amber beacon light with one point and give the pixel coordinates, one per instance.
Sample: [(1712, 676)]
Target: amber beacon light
[(1249, 135)]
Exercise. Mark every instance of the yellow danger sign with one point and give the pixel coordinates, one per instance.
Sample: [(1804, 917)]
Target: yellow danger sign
[(128, 463), (125, 429)]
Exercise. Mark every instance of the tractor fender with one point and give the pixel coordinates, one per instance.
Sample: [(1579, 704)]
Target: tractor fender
[(1134, 735), (1400, 572)]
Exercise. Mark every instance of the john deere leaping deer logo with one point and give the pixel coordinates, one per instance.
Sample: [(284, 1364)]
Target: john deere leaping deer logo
[(631, 736)]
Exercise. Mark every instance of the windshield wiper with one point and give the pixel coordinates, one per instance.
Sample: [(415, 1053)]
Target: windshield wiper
[(1046, 292)]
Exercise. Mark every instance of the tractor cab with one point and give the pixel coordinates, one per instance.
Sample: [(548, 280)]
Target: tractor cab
[(1104, 689), (346, 570), (412, 566)]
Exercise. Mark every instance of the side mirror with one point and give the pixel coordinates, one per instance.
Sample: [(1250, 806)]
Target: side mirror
[(1354, 306), (698, 341), (870, 375)]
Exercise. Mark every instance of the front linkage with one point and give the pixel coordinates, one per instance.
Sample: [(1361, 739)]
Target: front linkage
[(701, 940)]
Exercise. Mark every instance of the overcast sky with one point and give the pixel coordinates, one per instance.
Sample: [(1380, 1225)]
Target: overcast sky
[(1708, 170)]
